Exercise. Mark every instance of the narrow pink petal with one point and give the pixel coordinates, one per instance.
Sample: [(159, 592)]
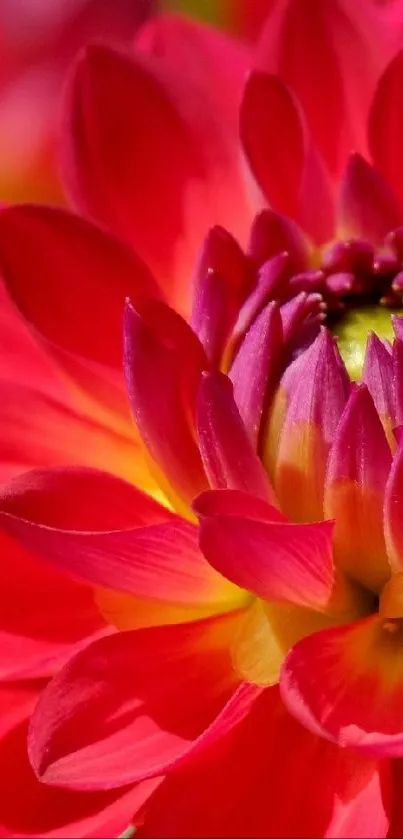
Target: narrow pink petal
[(103, 530), (101, 725), (346, 684), (262, 351), (222, 282), (397, 357), (358, 469), (315, 402), (377, 374), (276, 561), (393, 510), (368, 208), (228, 457), (385, 130), (163, 365), (225, 791)]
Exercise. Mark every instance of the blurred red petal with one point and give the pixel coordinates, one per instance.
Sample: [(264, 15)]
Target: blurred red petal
[(385, 127)]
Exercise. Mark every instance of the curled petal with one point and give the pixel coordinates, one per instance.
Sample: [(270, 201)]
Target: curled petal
[(359, 464), (163, 365), (274, 560), (346, 684)]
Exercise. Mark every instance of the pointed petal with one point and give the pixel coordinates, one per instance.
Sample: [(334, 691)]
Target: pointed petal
[(163, 365), (359, 669), (397, 357), (358, 468), (225, 793), (368, 208), (275, 561), (377, 374), (103, 530), (393, 510), (229, 460), (385, 131), (272, 234), (261, 351), (315, 403), (222, 281), (47, 811), (102, 725)]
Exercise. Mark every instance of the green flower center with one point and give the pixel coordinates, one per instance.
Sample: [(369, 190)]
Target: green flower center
[(352, 333)]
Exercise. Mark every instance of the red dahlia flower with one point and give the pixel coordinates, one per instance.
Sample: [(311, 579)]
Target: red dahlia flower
[(302, 584)]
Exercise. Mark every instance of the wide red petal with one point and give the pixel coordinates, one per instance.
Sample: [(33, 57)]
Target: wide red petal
[(131, 705), (164, 361), (255, 782), (368, 209), (49, 812), (105, 531), (346, 684)]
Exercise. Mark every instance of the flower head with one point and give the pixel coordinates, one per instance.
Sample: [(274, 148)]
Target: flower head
[(261, 605)]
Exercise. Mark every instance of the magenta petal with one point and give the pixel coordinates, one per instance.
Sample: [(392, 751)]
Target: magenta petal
[(275, 561), (378, 377), (272, 234), (261, 352), (368, 208), (229, 459), (163, 365)]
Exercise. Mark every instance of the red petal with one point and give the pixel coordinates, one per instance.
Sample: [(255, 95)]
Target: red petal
[(44, 615), (377, 374), (368, 208), (346, 684), (101, 724), (163, 364), (275, 561), (107, 532), (385, 131), (334, 49), (47, 811), (285, 165), (228, 457), (358, 468), (315, 401), (132, 114), (225, 792)]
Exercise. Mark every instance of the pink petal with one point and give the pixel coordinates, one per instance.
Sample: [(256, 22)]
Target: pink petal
[(49, 812), (272, 234), (101, 724), (368, 209), (393, 509), (287, 171), (339, 683), (163, 365), (275, 561), (103, 530), (262, 351), (385, 134), (130, 114), (337, 48), (225, 792), (397, 380), (315, 401), (222, 281), (377, 374), (358, 468), (229, 460)]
